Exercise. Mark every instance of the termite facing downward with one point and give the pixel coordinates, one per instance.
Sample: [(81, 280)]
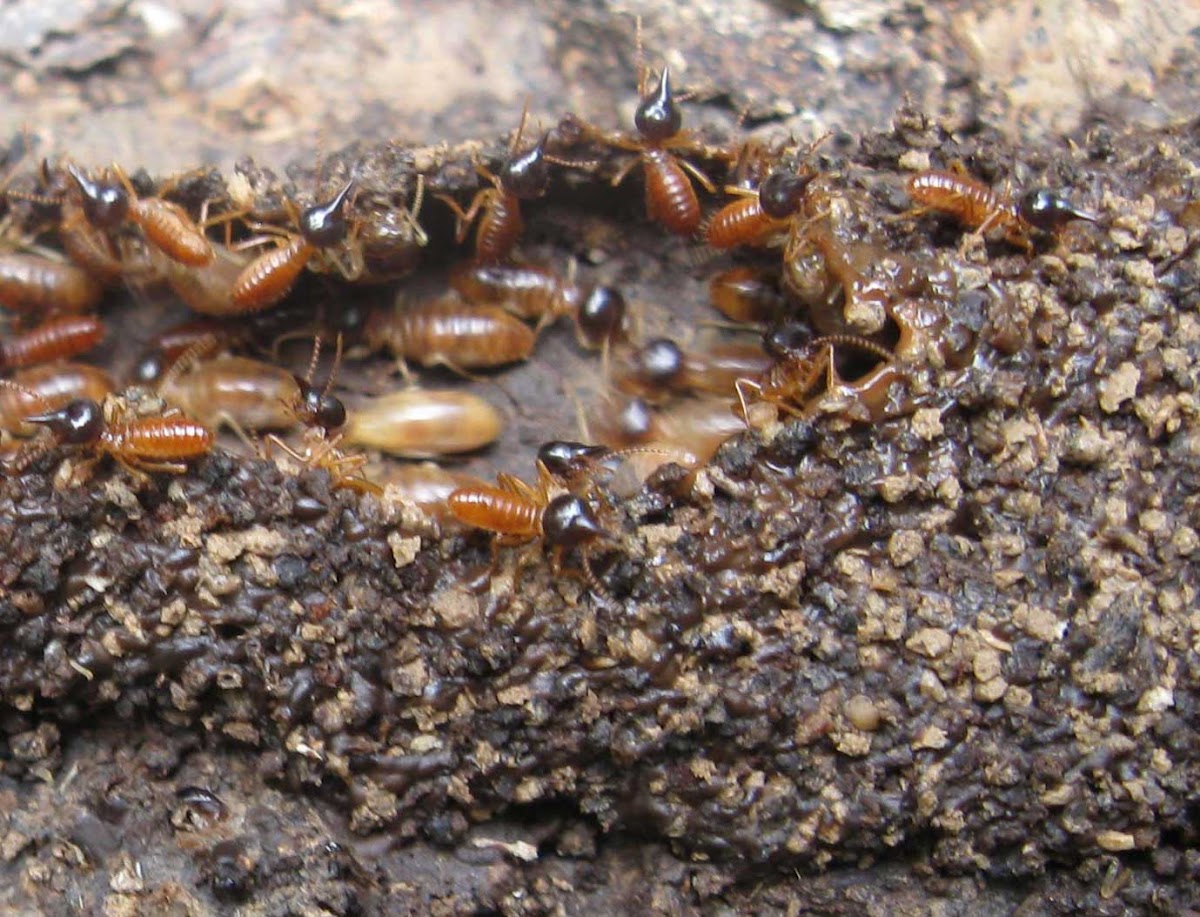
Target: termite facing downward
[(516, 513)]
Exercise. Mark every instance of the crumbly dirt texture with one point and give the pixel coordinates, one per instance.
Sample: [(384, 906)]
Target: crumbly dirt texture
[(943, 661)]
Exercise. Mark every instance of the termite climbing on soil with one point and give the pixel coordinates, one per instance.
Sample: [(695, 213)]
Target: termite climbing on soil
[(269, 277), (140, 444), (523, 177), (985, 209), (516, 513)]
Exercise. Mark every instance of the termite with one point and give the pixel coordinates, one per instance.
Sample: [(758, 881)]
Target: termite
[(806, 376), (688, 432), (529, 291), (758, 216), (428, 486), (57, 339), (516, 513), (140, 444), (209, 289), (662, 368), (448, 332), (270, 276), (47, 388), (746, 294), (523, 177), (670, 198), (323, 414), (423, 423), (33, 284), (240, 392), (165, 224), (601, 319), (984, 209)]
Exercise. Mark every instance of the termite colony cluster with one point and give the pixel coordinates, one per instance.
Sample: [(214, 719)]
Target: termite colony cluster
[(832, 323)]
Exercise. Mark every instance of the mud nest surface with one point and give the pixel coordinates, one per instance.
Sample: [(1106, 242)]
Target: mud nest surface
[(949, 654)]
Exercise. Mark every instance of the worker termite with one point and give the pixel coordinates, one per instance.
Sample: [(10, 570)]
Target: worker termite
[(422, 423), (688, 431), (240, 392), (428, 486), (270, 276), (33, 284), (984, 209), (516, 513), (758, 216), (523, 177), (602, 319), (746, 294), (322, 413), (56, 339), (140, 444), (809, 375), (166, 225), (387, 245), (662, 368), (448, 332), (529, 291), (47, 388)]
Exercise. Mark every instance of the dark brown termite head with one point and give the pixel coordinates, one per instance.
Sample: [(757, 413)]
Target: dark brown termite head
[(149, 367), (660, 362), (1047, 210), (527, 175), (568, 522), (601, 316), (657, 117), (782, 193), (105, 203), (325, 225), (565, 459), (319, 407), (786, 340), (78, 422)]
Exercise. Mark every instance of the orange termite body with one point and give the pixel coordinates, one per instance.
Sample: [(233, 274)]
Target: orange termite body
[(30, 284), (512, 515), (523, 177), (56, 339), (448, 332), (971, 202), (745, 294), (760, 216), (269, 277), (156, 439), (166, 225), (420, 423), (529, 291), (141, 444)]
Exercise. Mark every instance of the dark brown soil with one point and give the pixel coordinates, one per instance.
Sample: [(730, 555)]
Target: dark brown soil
[(944, 662)]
